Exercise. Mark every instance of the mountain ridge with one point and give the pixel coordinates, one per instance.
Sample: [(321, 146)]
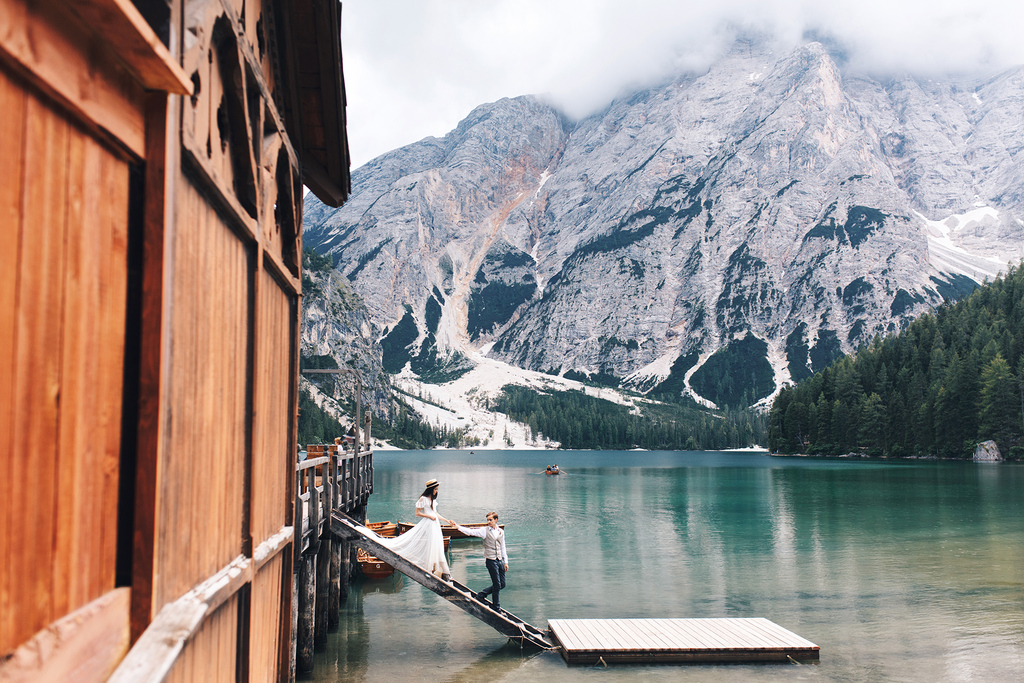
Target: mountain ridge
[(771, 198)]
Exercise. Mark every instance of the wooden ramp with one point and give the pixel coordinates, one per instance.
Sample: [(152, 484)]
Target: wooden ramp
[(454, 592), (586, 641)]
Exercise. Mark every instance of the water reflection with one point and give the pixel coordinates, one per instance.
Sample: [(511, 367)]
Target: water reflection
[(391, 584), (494, 665), (899, 571)]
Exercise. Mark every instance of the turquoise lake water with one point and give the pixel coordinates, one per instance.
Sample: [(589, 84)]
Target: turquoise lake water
[(899, 571)]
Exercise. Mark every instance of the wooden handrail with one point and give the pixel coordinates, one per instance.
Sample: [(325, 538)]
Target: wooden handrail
[(313, 462), (345, 482)]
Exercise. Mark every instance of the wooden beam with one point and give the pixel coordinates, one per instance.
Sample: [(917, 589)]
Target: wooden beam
[(156, 652), (321, 183), (49, 46), (85, 645), (269, 549), (121, 25), (218, 190), (162, 114)]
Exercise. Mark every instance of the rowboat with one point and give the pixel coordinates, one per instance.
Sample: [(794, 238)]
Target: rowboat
[(372, 567), (375, 568), (552, 469), (448, 531), (385, 529)]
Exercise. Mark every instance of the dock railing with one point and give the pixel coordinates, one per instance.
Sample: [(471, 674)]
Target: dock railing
[(332, 479), (337, 480)]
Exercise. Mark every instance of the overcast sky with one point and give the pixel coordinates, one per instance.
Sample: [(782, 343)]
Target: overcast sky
[(415, 68)]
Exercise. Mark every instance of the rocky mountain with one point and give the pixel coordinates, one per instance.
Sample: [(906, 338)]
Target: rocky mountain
[(717, 236), (337, 333)]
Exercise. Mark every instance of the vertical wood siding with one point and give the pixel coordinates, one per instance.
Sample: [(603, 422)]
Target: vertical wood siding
[(273, 456), (265, 621), (63, 274), (211, 653), (200, 512)]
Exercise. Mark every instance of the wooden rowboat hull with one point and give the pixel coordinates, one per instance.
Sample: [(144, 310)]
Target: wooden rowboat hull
[(449, 532), (385, 529), (372, 567)]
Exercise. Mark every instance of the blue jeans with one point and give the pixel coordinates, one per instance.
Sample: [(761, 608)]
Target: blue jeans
[(496, 568)]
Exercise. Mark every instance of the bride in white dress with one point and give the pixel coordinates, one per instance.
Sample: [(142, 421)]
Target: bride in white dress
[(424, 543)]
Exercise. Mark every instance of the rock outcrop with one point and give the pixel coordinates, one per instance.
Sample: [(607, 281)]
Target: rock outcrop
[(987, 451)]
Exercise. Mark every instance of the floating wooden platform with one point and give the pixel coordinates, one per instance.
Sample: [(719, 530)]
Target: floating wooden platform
[(586, 641)]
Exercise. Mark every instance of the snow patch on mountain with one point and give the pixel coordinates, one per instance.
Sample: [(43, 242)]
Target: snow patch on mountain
[(950, 241), (462, 403)]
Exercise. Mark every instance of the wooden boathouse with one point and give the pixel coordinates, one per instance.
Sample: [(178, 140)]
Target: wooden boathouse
[(154, 522), (152, 166)]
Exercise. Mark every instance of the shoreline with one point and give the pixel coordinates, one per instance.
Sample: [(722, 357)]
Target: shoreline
[(863, 456)]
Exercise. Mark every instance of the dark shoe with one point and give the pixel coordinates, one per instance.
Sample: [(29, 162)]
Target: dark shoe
[(446, 577)]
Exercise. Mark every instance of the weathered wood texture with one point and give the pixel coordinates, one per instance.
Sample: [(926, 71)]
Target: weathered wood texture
[(85, 645), (266, 611), (273, 455), (200, 515), (211, 654), (305, 629), (83, 88), (222, 465), (63, 273)]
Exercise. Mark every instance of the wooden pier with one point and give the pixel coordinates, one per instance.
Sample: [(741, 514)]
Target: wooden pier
[(590, 641), (330, 480)]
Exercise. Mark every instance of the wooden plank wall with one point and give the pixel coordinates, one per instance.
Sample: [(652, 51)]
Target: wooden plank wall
[(227, 456), (211, 654), (272, 464), (199, 519), (265, 614), (272, 467), (63, 274)]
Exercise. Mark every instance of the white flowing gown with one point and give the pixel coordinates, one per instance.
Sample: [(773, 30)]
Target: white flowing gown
[(424, 543)]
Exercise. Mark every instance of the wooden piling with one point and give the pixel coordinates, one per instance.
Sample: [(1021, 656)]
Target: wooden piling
[(323, 583), (334, 590), (346, 575), (296, 574), (307, 607)]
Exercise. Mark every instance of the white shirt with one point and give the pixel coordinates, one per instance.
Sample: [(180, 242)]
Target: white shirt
[(494, 541)]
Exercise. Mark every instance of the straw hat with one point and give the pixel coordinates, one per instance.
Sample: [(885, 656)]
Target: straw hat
[(430, 484)]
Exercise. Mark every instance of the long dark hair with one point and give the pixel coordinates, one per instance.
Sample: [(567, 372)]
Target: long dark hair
[(430, 492)]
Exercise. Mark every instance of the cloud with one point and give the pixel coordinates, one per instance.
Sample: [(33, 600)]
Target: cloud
[(414, 68)]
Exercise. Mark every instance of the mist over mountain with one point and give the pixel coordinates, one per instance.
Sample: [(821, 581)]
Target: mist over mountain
[(718, 235)]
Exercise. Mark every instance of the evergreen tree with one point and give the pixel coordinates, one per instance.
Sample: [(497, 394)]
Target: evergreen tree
[(872, 423), (999, 415)]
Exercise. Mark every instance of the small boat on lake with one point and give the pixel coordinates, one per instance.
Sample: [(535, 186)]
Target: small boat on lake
[(449, 532), (386, 529), (552, 469), (372, 567)]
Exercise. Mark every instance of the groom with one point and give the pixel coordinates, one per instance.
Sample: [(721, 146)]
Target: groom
[(495, 556)]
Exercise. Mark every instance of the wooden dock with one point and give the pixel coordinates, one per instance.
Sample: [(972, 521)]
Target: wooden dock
[(588, 641)]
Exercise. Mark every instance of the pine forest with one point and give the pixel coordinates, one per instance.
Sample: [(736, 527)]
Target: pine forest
[(951, 379)]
